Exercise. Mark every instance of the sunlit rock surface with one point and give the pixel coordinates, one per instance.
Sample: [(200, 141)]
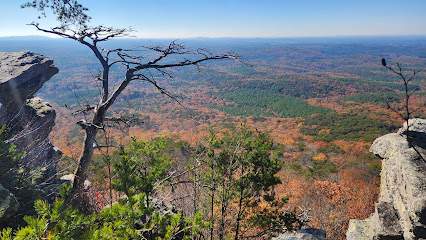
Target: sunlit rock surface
[(22, 74), (401, 210), (29, 120)]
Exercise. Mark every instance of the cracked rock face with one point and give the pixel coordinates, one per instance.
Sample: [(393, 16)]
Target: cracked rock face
[(29, 120), (401, 210)]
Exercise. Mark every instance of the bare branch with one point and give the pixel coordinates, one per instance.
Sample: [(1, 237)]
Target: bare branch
[(87, 108), (128, 120), (53, 31), (183, 63), (158, 87), (413, 75), (394, 110)]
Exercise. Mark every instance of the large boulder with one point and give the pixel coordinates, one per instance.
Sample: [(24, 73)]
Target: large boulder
[(401, 210)]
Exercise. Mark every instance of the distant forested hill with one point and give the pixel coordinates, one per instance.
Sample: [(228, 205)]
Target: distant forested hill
[(294, 77), (322, 100)]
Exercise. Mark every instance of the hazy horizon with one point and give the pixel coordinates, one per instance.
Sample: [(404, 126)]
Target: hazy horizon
[(261, 37), (237, 19)]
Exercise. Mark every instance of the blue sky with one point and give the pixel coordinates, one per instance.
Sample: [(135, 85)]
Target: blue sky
[(238, 18)]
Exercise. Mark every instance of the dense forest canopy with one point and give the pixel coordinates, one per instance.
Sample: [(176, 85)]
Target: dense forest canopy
[(207, 138), (314, 104)]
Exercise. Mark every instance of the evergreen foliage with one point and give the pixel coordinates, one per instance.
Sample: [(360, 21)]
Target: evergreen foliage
[(345, 127), (18, 179), (375, 98), (241, 175), (298, 87), (142, 165), (140, 170), (268, 103), (238, 168)]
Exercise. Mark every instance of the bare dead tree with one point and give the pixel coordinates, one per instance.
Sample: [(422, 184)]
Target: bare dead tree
[(406, 114), (137, 68), (408, 111)]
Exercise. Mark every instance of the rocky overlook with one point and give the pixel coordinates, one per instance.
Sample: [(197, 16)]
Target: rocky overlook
[(29, 119), (22, 74), (401, 210)]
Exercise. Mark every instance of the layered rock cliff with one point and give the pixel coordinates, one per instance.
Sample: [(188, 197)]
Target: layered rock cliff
[(401, 210), (28, 119)]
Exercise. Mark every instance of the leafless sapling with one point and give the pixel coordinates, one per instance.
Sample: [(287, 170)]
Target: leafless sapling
[(408, 110)]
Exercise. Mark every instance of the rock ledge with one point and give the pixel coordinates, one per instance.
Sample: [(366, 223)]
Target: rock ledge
[(401, 210)]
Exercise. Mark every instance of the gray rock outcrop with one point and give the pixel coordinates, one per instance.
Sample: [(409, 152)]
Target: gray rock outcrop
[(28, 119), (22, 74), (303, 234), (8, 204), (401, 210)]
